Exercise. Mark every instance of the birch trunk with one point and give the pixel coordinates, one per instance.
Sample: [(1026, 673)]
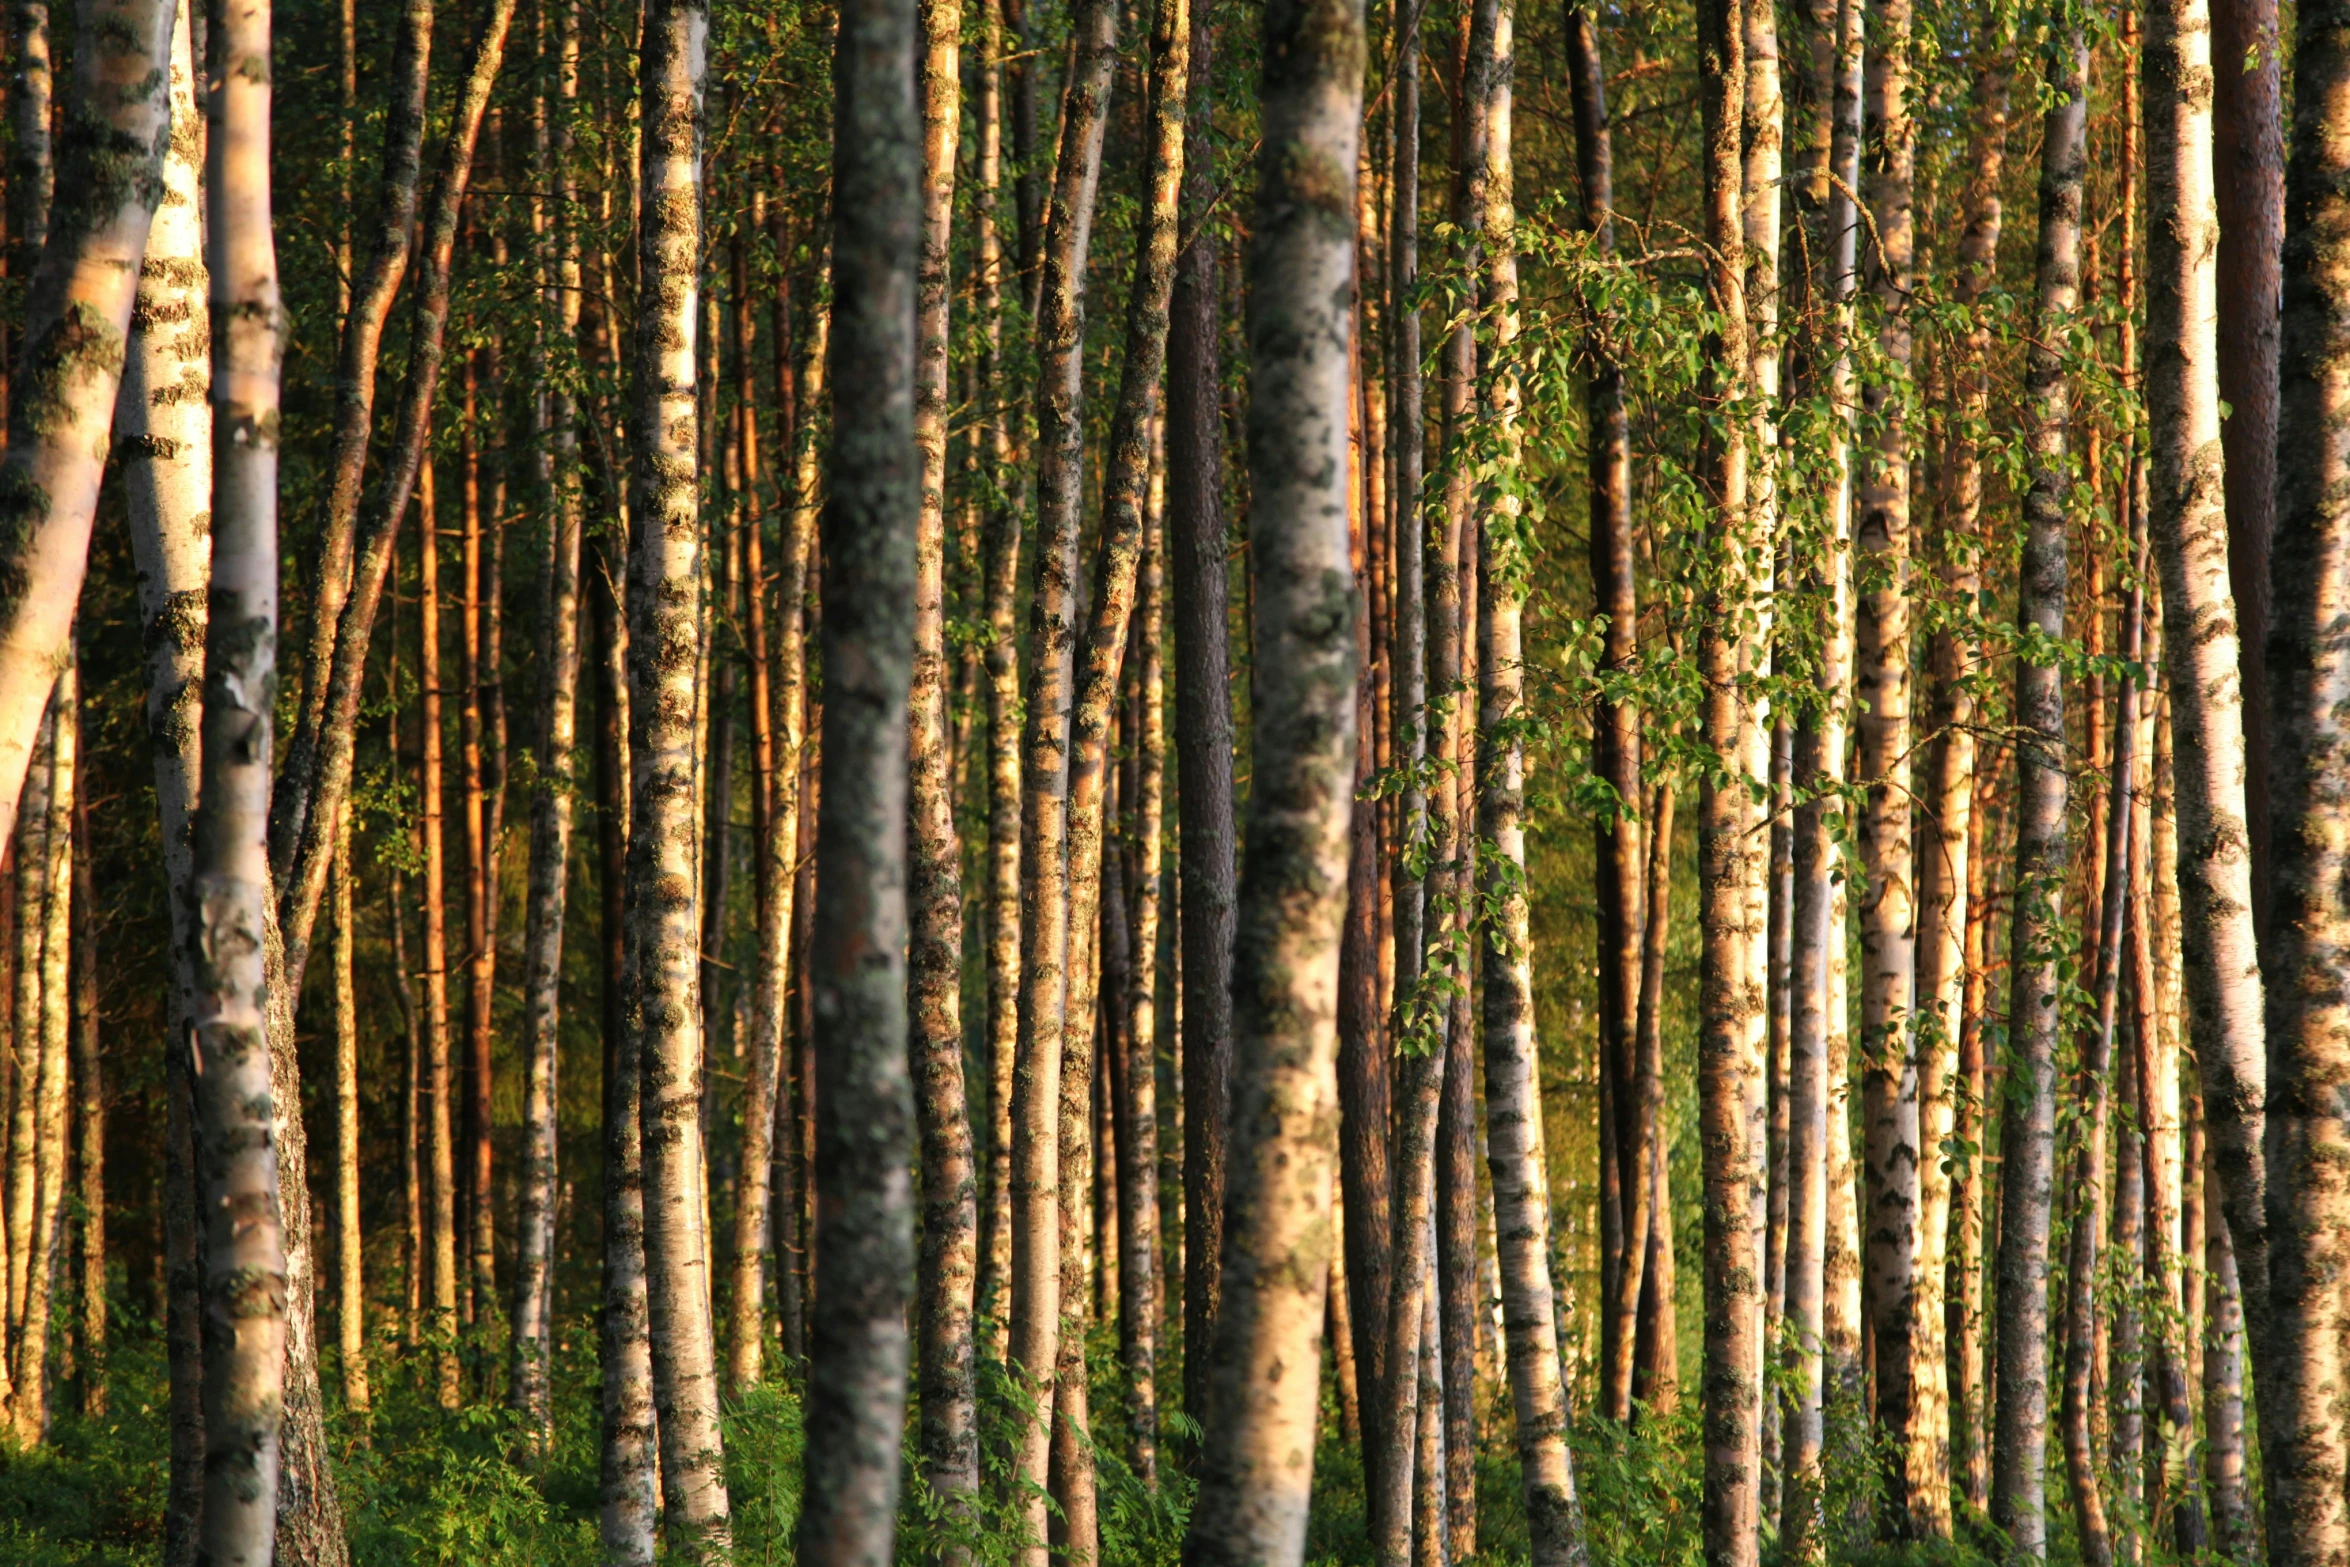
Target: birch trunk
[(530, 1385), (1904, 1299), (69, 357), (1048, 1086), (89, 1119), (1001, 589), (1521, 1186), (627, 1476), (865, 1101), (166, 417), (56, 914), (1255, 1481), (1139, 1307), (950, 1242), (664, 596), (2210, 636), (1733, 859), (230, 1022), (1950, 1110), (2307, 1136), (2019, 1463)]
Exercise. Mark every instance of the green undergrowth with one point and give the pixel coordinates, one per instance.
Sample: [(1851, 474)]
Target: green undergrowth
[(427, 1487)]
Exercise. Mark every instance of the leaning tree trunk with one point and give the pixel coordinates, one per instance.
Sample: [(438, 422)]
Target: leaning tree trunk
[(664, 595), (1049, 938), (313, 787), (1734, 857), (1124, 503), (372, 290), (949, 1262), (230, 1021), (166, 422), (2307, 1136), (864, 1098), (1513, 1095), (2193, 513), (2019, 1464), (530, 1388), (69, 362), (1256, 1474), (1205, 901)]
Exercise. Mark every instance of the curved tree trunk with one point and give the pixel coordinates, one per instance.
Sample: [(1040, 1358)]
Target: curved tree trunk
[(1254, 1482), (864, 1098), (69, 363), (2019, 1464), (1047, 1085)]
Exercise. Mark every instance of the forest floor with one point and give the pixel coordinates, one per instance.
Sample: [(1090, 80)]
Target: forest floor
[(422, 1486)]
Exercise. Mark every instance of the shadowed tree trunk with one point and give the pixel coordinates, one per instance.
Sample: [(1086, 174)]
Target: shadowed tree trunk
[(2306, 1464), (1203, 733), (530, 1383), (864, 1098), (2019, 1464), (1254, 1483), (59, 755)]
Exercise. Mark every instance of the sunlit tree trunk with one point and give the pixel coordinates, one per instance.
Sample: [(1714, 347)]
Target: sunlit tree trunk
[(439, 1075), (48, 1091), (89, 1121), (69, 353), (664, 596), (1255, 1480), (230, 1022), (1733, 856), (166, 462), (2019, 1467), (1139, 1271), (949, 1251), (350, 1253), (2204, 521), (1047, 1085)]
